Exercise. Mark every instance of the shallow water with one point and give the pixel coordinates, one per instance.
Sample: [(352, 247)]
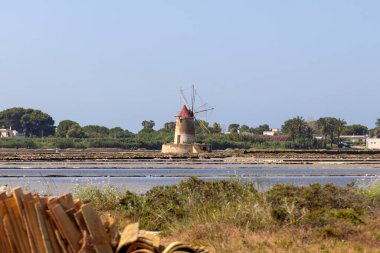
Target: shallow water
[(57, 181)]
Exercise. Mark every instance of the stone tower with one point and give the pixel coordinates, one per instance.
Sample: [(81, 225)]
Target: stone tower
[(184, 127)]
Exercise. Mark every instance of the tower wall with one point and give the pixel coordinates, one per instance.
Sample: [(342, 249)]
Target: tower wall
[(184, 130)]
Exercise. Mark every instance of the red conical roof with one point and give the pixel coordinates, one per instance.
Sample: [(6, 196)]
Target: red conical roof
[(185, 113)]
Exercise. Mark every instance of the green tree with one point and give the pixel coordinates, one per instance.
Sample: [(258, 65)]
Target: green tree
[(169, 125), (356, 129), (330, 126), (340, 126), (323, 127), (377, 128), (29, 121), (119, 133), (95, 131), (233, 128), (63, 127), (37, 123), (202, 127), (12, 118), (216, 128), (260, 129), (148, 124), (75, 131), (245, 129), (296, 128)]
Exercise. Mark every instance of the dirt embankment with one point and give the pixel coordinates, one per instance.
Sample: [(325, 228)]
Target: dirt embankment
[(236, 156)]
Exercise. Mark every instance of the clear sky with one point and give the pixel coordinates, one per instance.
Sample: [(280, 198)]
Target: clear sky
[(116, 63)]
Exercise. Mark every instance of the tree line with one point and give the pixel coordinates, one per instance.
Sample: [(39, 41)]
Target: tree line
[(296, 132)]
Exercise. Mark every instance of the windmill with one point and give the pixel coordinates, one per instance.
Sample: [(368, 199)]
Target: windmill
[(194, 108), (184, 135)]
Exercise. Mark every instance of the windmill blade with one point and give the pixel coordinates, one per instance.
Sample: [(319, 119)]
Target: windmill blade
[(184, 100), (202, 125), (201, 106), (205, 110), (193, 98)]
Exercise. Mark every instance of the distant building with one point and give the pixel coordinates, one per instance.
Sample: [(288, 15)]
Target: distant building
[(353, 138), (272, 132), (9, 133), (373, 143)]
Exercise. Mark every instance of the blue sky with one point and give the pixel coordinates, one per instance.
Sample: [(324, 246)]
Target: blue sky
[(116, 63)]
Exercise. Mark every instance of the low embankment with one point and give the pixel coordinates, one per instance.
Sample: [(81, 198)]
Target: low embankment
[(228, 156)]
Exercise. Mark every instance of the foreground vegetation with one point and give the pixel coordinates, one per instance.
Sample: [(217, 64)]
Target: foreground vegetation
[(231, 216)]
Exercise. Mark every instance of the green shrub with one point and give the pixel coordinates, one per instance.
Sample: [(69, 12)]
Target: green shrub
[(313, 204), (163, 205), (104, 198), (27, 143)]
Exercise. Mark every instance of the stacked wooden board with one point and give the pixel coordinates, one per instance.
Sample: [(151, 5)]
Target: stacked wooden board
[(30, 223)]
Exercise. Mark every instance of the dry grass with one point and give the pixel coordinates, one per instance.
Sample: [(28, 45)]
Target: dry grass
[(230, 216), (231, 239)]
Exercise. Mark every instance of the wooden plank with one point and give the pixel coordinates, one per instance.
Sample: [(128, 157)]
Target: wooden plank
[(18, 195), (100, 248), (154, 238), (15, 247), (80, 221), (3, 196), (113, 232), (67, 201), (70, 213), (77, 204), (2, 245), (51, 226), (55, 223), (87, 245), (35, 238), (52, 236), (129, 235), (51, 202), (47, 244), (96, 229), (6, 244), (61, 242), (16, 223), (94, 224), (70, 231)]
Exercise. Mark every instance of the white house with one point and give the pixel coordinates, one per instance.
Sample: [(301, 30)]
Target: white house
[(272, 132), (9, 133), (373, 143), (353, 138)]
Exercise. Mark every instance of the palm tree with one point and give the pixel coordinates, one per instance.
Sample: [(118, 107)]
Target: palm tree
[(295, 127), (329, 126), (323, 126), (340, 127), (377, 128)]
